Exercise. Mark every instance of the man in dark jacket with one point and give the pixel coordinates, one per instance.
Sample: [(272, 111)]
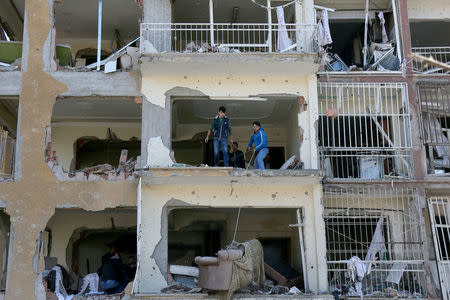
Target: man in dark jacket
[(112, 274), (259, 138), (237, 156), (222, 128)]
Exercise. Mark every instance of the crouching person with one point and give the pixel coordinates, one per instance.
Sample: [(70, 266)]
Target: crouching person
[(113, 277)]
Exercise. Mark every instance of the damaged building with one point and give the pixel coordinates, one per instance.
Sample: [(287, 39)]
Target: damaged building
[(106, 155)]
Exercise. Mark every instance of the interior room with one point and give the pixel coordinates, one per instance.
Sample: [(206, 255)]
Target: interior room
[(347, 23), (93, 131), (76, 240), (76, 24), (204, 231), (191, 119), (11, 31)]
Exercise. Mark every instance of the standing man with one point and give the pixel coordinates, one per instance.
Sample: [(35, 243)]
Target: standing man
[(259, 138), (221, 127)]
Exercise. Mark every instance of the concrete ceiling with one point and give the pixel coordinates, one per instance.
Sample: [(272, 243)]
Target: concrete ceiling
[(78, 18), (354, 4), (96, 109), (241, 112)]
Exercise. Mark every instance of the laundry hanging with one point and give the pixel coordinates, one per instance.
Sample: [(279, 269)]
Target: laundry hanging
[(323, 30), (384, 36), (283, 42)]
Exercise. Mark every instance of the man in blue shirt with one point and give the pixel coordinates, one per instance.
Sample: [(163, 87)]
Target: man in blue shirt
[(259, 138), (221, 127)]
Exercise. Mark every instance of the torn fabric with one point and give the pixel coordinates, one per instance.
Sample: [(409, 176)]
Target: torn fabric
[(377, 245), (90, 281), (284, 42), (323, 30), (248, 268), (384, 36)]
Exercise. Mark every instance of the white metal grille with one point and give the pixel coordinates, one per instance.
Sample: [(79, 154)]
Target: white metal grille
[(435, 110), (351, 216), (440, 225), (441, 54), (224, 37), (7, 144), (364, 130)]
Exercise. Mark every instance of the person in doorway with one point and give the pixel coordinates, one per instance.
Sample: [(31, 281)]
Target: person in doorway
[(222, 128), (112, 273), (259, 138), (237, 156)]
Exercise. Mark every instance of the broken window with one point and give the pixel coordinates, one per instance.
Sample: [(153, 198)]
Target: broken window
[(364, 130), (95, 135), (191, 120), (435, 107), (8, 131), (365, 38), (80, 241), (436, 45), (80, 43), (379, 230), (205, 231), (11, 31), (228, 26)]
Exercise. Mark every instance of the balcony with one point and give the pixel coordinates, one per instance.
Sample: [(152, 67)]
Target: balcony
[(230, 38), (439, 54)]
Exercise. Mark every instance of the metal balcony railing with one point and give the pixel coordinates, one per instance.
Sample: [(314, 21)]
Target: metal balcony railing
[(441, 54), (7, 145), (227, 38)]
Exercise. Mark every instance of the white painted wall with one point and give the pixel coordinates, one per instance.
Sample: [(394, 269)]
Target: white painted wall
[(429, 10), (155, 197)]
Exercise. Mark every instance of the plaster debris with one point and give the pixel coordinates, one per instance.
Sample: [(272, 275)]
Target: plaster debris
[(158, 154)]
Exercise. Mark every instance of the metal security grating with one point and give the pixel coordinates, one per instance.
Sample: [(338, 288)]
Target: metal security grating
[(226, 37), (435, 111), (441, 54), (359, 220), (364, 130), (438, 208)]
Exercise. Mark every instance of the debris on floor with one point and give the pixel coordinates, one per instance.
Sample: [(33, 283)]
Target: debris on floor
[(180, 288), (124, 170)]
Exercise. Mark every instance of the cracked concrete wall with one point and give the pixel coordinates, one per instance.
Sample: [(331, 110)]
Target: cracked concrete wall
[(31, 201), (157, 199), (168, 77)]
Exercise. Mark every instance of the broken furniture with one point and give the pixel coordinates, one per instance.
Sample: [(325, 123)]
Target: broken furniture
[(215, 272), (233, 268)]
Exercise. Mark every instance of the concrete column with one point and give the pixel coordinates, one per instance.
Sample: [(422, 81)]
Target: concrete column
[(156, 121), (308, 18), (321, 247), (159, 11), (313, 108)]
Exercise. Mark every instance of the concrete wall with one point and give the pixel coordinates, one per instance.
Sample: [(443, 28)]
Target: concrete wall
[(64, 137), (166, 76), (230, 193), (31, 200), (428, 10)]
